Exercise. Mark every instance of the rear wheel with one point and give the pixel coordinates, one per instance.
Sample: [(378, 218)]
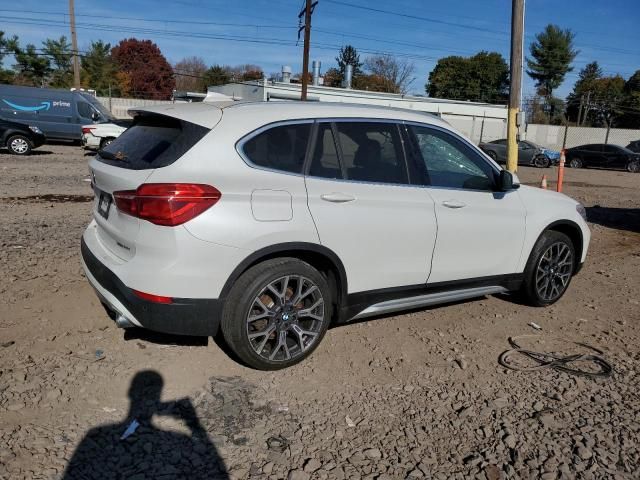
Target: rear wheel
[(277, 313), (575, 163), (634, 166), (105, 141), (19, 145), (549, 269)]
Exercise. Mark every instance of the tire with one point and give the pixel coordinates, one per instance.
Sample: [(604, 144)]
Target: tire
[(633, 166), (19, 145), (552, 259), (575, 162), (541, 161), (105, 142), (281, 337)]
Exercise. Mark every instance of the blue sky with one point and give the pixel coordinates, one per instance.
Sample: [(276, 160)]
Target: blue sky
[(264, 32)]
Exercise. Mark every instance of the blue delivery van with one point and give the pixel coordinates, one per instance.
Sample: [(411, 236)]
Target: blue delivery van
[(60, 114)]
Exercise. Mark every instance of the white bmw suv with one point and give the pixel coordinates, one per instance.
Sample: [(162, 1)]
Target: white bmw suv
[(268, 222)]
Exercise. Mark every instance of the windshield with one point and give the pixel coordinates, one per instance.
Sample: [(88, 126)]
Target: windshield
[(95, 103)]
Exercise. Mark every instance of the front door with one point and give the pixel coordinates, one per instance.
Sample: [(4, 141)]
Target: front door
[(480, 231), (365, 208)]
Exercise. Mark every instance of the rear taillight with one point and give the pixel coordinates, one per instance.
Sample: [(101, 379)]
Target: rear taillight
[(87, 130), (168, 204)]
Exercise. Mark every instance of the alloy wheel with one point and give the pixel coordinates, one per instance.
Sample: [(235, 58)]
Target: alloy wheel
[(634, 166), (554, 271), (286, 318), (19, 145), (575, 163)]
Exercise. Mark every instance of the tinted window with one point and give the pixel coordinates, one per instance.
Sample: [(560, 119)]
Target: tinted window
[(325, 162), (280, 148), (612, 149), (499, 142), (591, 148), (372, 152), (449, 162), (152, 141), (84, 109)]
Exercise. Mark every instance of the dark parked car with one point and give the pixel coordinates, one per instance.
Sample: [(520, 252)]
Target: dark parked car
[(528, 153), (20, 138), (600, 155), (634, 146)]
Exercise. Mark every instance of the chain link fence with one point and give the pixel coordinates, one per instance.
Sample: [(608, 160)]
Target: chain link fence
[(557, 137)]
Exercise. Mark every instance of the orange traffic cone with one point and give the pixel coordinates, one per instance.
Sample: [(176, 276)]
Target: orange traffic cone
[(543, 182)]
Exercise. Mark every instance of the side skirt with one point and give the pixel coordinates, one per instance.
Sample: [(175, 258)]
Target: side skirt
[(426, 300), (389, 300)]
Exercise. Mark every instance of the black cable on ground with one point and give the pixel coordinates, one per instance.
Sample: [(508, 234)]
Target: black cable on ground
[(550, 360)]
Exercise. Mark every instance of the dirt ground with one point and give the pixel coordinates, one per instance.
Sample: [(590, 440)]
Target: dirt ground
[(419, 395)]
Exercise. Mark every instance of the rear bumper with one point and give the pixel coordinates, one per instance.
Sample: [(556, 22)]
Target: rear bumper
[(185, 316)]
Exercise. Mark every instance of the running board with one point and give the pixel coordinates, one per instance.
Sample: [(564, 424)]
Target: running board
[(426, 300)]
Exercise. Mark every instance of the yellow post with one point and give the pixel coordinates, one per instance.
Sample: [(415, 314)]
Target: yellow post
[(512, 141)]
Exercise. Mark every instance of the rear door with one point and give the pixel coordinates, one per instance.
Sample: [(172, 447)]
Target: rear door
[(154, 141), (480, 231), (366, 208)]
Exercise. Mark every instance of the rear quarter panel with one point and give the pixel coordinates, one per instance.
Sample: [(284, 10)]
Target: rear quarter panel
[(232, 221)]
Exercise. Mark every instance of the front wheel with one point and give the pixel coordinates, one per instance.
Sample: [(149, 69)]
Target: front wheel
[(277, 313), (19, 145), (549, 269), (634, 166)]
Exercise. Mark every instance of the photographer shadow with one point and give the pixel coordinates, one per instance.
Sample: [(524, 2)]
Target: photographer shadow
[(148, 452)]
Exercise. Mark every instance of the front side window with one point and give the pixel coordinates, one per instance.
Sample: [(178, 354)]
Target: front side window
[(282, 147), (84, 109), (449, 162), (372, 152)]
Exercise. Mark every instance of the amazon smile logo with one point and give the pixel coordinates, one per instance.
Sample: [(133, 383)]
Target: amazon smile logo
[(42, 106)]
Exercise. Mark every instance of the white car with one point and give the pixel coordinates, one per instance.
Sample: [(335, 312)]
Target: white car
[(271, 220), (98, 135)]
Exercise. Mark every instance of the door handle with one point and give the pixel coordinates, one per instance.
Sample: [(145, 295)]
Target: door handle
[(454, 204), (337, 197)]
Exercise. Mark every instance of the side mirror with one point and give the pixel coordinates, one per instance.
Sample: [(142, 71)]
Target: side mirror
[(95, 116), (506, 181)]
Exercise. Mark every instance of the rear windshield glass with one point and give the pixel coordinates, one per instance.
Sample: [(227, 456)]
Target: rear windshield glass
[(153, 141)]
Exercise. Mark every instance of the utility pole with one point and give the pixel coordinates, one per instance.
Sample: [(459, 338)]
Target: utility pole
[(74, 45), (580, 110), (307, 11), (587, 107), (517, 34)]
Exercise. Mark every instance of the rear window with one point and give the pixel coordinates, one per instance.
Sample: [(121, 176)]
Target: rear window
[(153, 141)]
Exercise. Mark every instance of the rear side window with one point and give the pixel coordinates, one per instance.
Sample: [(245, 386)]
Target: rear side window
[(282, 147), (325, 162), (372, 152), (153, 141)]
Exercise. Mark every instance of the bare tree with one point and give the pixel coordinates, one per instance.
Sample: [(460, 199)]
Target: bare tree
[(394, 74), (189, 73)]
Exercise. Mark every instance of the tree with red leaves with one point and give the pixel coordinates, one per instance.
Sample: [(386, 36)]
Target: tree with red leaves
[(150, 74)]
